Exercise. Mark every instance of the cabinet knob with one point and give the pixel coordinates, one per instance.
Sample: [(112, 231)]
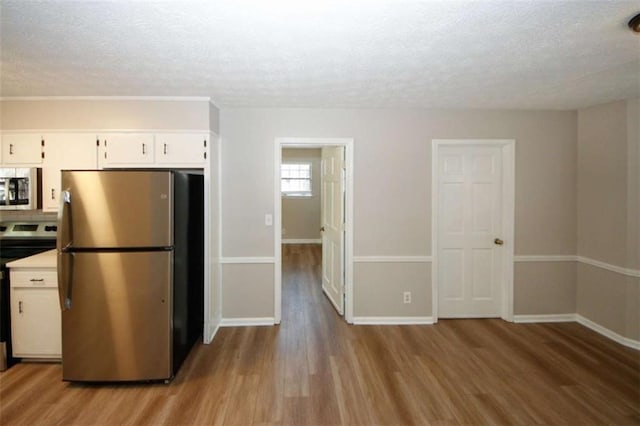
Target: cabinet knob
[(20, 307)]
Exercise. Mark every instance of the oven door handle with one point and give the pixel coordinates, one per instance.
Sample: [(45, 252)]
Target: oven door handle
[(65, 279)]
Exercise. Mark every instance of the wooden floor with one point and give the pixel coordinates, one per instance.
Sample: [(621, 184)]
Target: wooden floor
[(315, 369)]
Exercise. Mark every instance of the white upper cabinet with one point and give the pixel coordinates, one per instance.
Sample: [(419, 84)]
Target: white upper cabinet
[(181, 149), (127, 149), (22, 149), (65, 151), (153, 150)]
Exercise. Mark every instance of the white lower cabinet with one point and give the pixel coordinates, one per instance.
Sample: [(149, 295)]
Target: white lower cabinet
[(35, 314)]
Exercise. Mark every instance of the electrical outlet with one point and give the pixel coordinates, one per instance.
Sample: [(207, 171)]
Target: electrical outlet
[(406, 297), (284, 231)]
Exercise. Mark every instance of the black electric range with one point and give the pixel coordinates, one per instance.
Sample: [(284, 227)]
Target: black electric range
[(18, 239)]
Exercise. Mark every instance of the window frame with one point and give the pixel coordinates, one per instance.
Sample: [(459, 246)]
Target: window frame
[(297, 194)]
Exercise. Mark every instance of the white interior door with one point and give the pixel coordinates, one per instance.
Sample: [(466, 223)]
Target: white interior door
[(333, 220), (469, 257)]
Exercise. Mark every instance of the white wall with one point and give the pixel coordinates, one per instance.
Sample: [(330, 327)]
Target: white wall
[(609, 216), (105, 114), (392, 196), (577, 192)]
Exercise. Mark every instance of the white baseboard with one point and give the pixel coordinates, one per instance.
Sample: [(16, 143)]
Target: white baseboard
[(545, 318), (246, 322), (634, 344), (581, 320), (302, 241), (269, 321), (212, 334), (393, 320)]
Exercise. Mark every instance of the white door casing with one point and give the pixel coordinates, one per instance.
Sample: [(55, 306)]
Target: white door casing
[(348, 146), (332, 216), (473, 205)]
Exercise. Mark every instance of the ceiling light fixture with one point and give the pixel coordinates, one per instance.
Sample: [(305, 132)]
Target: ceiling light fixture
[(634, 24)]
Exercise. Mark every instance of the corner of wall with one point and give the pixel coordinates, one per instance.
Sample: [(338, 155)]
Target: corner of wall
[(608, 186), (633, 183)]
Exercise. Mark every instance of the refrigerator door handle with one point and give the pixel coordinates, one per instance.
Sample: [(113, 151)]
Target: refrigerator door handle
[(65, 230), (65, 259), (65, 279)]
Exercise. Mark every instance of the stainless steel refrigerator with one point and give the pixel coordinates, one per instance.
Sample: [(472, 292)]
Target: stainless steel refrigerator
[(130, 272)]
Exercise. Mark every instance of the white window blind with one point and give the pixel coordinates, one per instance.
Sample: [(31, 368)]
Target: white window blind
[(295, 179)]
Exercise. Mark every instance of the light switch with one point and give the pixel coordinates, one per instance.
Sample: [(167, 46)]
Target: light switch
[(268, 219)]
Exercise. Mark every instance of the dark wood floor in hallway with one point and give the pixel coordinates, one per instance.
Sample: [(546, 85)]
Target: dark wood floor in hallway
[(314, 369)]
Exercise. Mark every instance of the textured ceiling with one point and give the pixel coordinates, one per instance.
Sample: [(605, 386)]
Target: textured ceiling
[(400, 54)]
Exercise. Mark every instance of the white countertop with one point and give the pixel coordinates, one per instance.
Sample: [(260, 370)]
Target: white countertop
[(47, 259)]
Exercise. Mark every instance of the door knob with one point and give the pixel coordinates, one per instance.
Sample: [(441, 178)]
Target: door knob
[(322, 229), (498, 242)]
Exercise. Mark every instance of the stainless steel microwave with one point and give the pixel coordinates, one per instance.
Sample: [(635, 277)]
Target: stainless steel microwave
[(20, 188)]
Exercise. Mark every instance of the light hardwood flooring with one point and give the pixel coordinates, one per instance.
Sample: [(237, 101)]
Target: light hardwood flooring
[(316, 369)]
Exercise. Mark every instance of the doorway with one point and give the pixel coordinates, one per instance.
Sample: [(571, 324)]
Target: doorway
[(337, 237), (472, 221)]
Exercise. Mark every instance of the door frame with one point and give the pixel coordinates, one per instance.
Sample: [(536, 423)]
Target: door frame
[(508, 149), (289, 142)]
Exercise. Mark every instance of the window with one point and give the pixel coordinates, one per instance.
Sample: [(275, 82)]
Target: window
[(295, 179)]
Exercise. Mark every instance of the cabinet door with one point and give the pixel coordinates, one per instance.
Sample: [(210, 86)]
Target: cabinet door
[(127, 149), (35, 323), (21, 148), (181, 148), (65, 151)]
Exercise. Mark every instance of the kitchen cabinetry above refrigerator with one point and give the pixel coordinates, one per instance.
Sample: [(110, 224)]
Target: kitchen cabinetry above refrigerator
[(126, 149), (65, 151), (189, 150), (186, 150)]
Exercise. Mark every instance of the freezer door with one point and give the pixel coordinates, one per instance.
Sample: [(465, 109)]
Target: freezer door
[(117, 325), (116, 209)]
